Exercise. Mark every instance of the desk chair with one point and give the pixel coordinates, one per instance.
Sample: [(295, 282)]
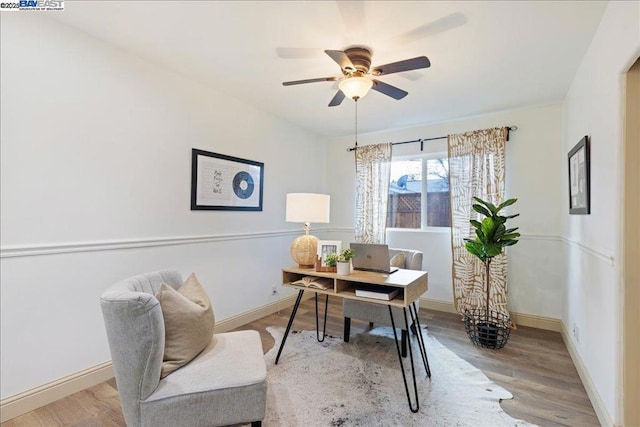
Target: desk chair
[(224, 384), (377, 313)]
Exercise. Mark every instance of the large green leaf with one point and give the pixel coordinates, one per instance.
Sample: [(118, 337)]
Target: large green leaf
[(481, 210), (500, 231), (506, 203), (500, 219), (477, 249), (489, 227), (510, 236), (492, 208), (492, 249)]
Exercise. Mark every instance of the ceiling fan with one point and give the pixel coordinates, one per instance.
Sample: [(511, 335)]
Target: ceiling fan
[(358, 76)]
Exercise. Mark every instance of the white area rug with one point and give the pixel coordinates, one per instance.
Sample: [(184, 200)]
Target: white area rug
[(359, 384)]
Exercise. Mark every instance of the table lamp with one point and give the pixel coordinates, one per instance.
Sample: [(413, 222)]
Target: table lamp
[(306, 208)]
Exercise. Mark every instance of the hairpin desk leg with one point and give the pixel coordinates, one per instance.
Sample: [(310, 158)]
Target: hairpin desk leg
[(324, 326), (293, 315), (413, 371), (421, 345)]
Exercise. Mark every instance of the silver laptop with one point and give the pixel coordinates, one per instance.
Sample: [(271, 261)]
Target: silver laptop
[(371, 257)]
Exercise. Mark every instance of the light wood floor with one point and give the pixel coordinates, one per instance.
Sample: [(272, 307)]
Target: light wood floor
[(534, 366)]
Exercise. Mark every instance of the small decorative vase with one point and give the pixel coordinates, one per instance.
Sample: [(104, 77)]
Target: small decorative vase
[(344, 268)]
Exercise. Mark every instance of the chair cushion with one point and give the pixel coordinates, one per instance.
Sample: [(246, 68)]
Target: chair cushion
[(188, 323), (225, 384), (397, 260), (232, 359)]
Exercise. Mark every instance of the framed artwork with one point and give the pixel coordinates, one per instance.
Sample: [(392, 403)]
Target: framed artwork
[(220, 182), (579, 182), (326, 247)]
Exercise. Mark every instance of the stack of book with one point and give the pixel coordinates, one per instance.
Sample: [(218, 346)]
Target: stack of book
[(386, 293)]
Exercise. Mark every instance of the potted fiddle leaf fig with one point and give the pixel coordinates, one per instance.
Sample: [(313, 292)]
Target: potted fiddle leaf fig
[(341, 260), (489, 329)]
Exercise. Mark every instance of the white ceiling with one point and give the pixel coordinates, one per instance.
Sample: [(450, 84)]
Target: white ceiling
[(485, 56)]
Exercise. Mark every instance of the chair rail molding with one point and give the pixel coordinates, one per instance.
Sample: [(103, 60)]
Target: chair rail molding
[(109, 245), (597, 253)]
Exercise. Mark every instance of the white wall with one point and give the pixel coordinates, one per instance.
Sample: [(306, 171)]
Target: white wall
[(533, 162), (594, 107), (95, 164), (95, 187)]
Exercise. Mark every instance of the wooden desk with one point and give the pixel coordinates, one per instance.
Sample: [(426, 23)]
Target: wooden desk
[(411, 283)]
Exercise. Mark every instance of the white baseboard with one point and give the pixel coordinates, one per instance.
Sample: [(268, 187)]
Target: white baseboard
[(437, 305), (587, 382), (531, 320), (236, 321), (538, 322), (30, 400)]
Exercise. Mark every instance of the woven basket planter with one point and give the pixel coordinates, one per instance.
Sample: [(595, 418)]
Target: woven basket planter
[(491, 332)]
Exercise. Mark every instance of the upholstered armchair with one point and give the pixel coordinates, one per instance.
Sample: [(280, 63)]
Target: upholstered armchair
[(377, 313), (224, 384)]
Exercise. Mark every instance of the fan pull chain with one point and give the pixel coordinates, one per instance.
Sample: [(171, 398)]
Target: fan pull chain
[(356, 122)]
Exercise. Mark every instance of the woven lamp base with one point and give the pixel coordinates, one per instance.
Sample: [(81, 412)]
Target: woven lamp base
[(304, 250)]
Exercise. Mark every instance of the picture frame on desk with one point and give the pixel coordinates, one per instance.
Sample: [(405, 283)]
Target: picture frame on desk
[(326, 247)]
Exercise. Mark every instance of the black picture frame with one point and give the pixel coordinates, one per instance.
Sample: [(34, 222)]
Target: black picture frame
[(579, 178), (221, 182)]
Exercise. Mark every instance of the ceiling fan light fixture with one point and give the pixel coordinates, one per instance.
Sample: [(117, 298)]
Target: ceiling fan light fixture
[(355, 87)]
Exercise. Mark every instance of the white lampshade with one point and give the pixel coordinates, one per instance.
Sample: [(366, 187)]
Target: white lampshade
[(307, 207), (355, 87)]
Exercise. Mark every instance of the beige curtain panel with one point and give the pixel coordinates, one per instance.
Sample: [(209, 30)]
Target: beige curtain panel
[(476, 169), (373, 169)]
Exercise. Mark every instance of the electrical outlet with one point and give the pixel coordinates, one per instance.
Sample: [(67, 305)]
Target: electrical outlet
[(576, 333), (274, 290)]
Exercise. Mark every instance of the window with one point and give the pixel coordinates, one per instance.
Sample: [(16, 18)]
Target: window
[(419, 193)]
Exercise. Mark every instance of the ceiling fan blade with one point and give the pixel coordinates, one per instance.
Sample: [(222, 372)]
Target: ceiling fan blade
[(441, 25), (341, 59), (398, 67), (337, 99), (299, 82), (387, 89)]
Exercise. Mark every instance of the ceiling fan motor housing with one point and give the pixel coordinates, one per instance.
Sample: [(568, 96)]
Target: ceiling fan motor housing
[(361, 59)]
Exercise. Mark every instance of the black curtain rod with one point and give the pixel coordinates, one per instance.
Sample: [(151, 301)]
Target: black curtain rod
[(422, 140)]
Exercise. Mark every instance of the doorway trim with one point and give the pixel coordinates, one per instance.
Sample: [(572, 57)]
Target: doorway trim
[(631, 249)]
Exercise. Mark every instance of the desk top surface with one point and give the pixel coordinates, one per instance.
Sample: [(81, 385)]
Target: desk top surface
[(400, 278)]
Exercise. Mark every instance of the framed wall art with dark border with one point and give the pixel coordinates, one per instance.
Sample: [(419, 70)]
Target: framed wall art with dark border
[(579, 178), (220, 182)]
